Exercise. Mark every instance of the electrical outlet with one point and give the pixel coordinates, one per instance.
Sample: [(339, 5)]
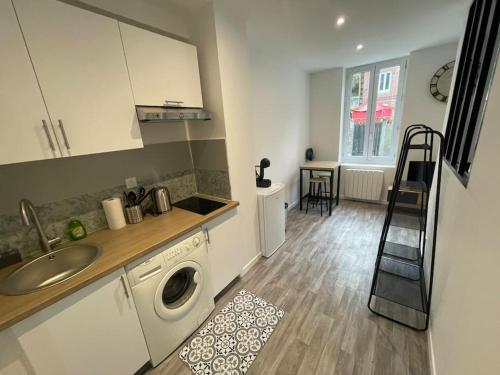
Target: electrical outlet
[(131, 182)]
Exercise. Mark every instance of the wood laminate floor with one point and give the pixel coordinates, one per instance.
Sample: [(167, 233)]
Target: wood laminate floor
[(321, 277)]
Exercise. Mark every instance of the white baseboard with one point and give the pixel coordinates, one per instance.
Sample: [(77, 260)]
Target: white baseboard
[(382, 202), (342, 196), (293, 204), (250, 264), (432, 359)]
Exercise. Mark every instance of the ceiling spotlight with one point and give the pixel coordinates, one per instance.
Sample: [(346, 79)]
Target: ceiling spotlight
[(359, 47), (340, 21)]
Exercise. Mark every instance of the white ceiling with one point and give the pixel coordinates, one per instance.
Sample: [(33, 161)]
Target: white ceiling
[(304, 32)]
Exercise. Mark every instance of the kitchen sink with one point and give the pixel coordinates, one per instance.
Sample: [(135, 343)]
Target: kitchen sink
[(50, 269)]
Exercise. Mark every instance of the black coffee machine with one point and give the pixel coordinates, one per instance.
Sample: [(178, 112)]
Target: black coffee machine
[(259, 176)]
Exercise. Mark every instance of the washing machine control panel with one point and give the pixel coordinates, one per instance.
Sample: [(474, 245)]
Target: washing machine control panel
[(182, 249), (196, 241), (154, 265)]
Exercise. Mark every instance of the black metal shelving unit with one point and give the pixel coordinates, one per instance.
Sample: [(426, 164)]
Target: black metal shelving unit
[(399, 291)]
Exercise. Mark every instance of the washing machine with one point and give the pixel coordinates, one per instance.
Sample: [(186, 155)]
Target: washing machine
[(172, 291)]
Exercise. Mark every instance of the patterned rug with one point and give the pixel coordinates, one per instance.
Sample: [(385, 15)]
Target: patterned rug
[(230, 342)]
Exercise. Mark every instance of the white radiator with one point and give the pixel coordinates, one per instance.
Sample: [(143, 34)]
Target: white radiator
[(363, 184)]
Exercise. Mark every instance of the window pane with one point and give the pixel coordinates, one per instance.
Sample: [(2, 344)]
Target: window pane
[(385, 111), (358, 112), (371, 112)]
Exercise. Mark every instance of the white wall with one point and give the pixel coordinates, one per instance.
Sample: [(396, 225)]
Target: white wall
[(235, 86), (325, 112), (465, 312), (219, 33), (204, 37), (279, 97), (418, 106)]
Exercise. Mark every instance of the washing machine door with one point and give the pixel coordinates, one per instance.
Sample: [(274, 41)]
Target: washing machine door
[(179, 290)]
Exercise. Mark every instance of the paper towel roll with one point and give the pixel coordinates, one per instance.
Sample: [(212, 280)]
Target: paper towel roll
[(114, 212)]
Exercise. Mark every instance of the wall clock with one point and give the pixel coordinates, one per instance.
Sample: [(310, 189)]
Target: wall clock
[(441, 82)]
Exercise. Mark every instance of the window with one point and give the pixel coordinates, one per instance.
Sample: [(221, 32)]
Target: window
[(372, 109), (356, 90), (475, 70), (384, 82)]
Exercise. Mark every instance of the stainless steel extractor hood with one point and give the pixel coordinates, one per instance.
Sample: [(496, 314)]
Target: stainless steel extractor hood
[(155, 114)]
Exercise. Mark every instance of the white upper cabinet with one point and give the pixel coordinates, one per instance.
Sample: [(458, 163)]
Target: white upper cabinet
[(163, 71), (25, 130), (79, 61)]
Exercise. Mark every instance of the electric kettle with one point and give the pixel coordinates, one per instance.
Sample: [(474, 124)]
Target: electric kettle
[(160, 196)]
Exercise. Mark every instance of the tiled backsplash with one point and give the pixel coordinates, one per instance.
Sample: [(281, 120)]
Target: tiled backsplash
[(86, 207), (62, 190), (210, 163), (213, 182)]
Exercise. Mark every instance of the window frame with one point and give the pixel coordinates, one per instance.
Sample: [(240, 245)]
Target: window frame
[(474, 72), (388, 88), (374, 70)]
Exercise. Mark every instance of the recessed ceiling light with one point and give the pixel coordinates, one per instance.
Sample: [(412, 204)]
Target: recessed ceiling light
[(359, 47), (340, 21)]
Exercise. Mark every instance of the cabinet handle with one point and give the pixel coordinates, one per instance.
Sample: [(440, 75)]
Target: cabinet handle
[(207, 236), (63, 132), (174, 102), (125, 287), (49, 137)]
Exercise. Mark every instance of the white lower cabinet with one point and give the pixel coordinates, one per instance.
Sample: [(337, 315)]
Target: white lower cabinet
[(225, 258), (93, 331)]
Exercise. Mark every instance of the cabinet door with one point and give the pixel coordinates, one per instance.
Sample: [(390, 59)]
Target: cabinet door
[(93, 331), (274, 221), (79, 61), (162, 70), (23, 136), (223, 249)]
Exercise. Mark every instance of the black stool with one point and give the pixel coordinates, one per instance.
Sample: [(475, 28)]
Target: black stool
[(326, 181), (315, 195)]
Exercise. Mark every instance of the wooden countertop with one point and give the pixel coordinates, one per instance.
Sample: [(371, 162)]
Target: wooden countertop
[(119, 247)]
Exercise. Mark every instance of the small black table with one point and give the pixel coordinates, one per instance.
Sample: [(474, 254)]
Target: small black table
[(321, 166)]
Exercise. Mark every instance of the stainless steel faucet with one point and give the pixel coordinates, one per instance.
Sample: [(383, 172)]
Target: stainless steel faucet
[(25, 208)]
